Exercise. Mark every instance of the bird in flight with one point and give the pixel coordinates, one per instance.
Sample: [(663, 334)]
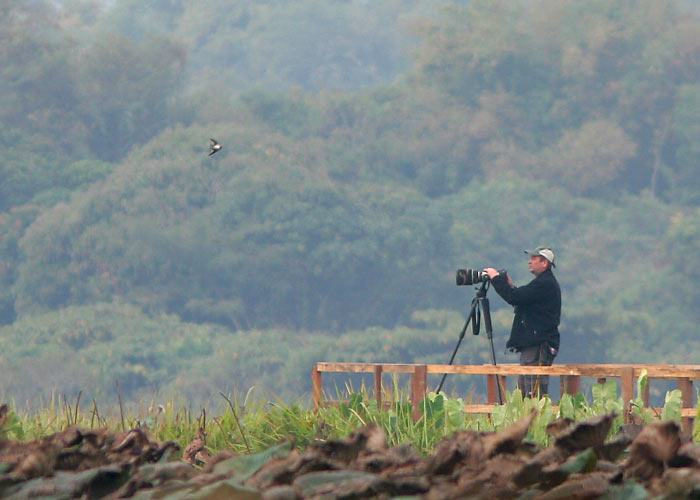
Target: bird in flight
[(214, 146)]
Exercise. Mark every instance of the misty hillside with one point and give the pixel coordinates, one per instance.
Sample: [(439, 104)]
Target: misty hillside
[(369, 150)]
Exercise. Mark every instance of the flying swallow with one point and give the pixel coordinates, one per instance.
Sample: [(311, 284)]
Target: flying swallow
[(214, 146)]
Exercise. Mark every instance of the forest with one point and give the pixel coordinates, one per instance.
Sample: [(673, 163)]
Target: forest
[(370, 149)]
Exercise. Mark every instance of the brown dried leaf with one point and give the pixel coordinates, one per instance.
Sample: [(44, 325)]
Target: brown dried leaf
[(509, 439), (40, 462), (465, 447), (613, 448), (590, 433), (4, 412), (688, 456), (531, 472), (347, 449), (655, 446), (579, 487), (676, 483), (349, 483), (558, 426)]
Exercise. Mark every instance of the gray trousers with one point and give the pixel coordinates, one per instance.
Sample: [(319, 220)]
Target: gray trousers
[(538, 355)]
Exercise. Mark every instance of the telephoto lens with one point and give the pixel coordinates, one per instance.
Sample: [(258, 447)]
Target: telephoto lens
[(470, 276)]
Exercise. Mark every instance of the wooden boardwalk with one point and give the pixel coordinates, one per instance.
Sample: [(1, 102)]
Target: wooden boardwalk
[(570, 376)]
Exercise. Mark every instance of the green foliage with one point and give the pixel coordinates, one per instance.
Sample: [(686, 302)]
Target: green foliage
[(125, 88), (686, 132), (672, 406), (256, 427), (443, 412), (684, 235), (11, 427), (335, 218), (119, 343), (637, 404), (308, 44), (84, 172), (37, 86), (29, 166)]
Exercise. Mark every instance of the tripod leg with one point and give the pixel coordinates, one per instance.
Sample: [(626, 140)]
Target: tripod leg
[(461, 336), (489, 334)]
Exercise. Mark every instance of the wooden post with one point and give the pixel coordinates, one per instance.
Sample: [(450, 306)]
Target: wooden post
[(570, 384), (378, 385), (686, 387), (316, 387), (418, 384), (492, 385), (627, 386), (491, 389)]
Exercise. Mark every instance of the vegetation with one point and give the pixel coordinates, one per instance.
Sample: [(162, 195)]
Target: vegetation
[(250, 424), (370, 149)]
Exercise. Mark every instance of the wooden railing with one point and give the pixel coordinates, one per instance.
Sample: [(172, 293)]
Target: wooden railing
[(569, 377)]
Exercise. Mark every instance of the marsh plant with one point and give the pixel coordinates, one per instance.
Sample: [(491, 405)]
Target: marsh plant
[(249, 423)]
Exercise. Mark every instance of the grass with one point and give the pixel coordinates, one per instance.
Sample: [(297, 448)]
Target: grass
[(251, 423)]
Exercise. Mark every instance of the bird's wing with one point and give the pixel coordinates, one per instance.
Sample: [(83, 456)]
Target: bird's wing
[(213, 142), (213, 151)]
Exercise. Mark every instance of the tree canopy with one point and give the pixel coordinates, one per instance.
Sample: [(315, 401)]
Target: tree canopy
[(369, 150)]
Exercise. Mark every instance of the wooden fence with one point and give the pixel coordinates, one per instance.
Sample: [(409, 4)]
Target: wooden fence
[(569, 377)]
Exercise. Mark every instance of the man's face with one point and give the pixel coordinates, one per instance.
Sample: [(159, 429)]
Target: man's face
[(537, 264)]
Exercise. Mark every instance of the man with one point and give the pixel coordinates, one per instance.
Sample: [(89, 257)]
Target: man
[(537, 306)]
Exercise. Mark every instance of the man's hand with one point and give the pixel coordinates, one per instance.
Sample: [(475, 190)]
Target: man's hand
[(492, 273)]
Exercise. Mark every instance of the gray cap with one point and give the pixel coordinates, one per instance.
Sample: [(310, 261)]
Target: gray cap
[(545, 252)]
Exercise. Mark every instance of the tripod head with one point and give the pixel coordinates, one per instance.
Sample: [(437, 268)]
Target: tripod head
[(481, 291), (480, 303)]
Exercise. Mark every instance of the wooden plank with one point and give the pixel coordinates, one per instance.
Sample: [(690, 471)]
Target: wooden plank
[(485, 408), (364, 367), (317, 387), (418, 385), (378, 369), (582, 370), (505, 369), (488, 408), (346, 367), (585, 370)]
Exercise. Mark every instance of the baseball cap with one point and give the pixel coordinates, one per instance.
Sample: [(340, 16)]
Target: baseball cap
[(545, 252)]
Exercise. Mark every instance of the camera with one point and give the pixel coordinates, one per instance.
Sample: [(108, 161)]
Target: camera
[(470, 276)]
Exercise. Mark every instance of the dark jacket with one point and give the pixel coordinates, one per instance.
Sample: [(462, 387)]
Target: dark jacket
[(537, 310)]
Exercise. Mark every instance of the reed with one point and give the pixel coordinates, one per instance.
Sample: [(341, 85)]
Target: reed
[(250, 423)]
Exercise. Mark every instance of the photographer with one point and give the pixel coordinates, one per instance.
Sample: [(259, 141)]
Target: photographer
[(537, 307)]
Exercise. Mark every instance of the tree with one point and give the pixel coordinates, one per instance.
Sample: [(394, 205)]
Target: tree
[(682, 171), (37, 91), (125, 89), (585, 159)]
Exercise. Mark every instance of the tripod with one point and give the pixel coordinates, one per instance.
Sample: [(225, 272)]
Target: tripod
[(479, 303)]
